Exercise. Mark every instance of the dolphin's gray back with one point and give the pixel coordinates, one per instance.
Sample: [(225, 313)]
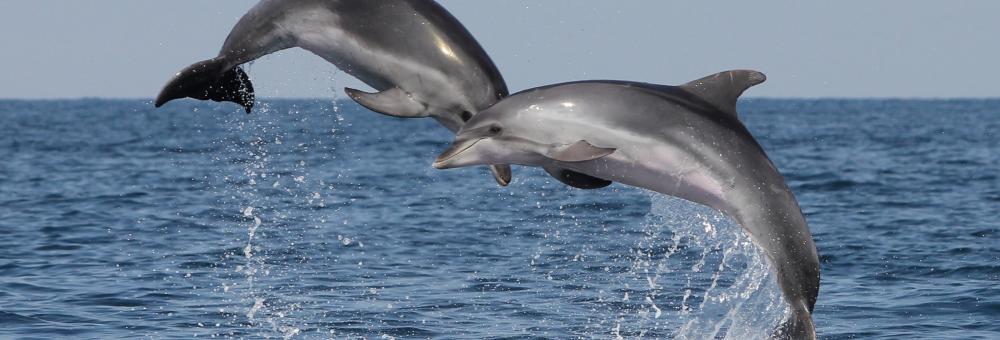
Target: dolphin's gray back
[(649, 109), (650, 118)]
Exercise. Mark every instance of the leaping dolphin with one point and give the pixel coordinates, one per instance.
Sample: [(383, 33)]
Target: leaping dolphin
[(684, 141), (420, 58)]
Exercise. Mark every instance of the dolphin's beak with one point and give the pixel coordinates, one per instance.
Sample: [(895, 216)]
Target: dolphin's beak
[(447, 159)]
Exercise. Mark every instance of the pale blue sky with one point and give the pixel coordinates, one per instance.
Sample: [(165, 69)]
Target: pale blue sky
[(887, 48)]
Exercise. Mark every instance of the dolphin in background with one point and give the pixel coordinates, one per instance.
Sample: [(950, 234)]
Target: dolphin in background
[(421, 59), (684, 141)]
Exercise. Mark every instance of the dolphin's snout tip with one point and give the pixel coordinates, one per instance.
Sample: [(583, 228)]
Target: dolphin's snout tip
[(441, 162), (446, 159)]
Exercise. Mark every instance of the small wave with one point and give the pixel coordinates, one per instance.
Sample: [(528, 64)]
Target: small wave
[(7, 318), (832, 185), (493, 287), (984, 233), (106, 299), (57, 247)]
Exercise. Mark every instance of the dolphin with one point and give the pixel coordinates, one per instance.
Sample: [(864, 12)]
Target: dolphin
[(684, 141), (421, 59)]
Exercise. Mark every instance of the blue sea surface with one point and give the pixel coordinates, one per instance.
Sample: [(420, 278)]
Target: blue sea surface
[(313, 219)]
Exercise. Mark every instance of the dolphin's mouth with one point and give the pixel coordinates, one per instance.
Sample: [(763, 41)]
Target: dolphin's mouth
[(456, 149)]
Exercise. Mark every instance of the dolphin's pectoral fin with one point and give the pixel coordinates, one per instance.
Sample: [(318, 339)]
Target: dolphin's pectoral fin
[(501, 173), (206, 80), (724, 88), (577, 152), (393, 102), (576, 179)]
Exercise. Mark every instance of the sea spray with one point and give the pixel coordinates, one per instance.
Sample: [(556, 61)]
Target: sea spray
[(674, 269), (279, 205), (729, 291)]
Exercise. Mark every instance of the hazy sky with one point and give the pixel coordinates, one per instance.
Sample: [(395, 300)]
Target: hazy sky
[(886, 48)]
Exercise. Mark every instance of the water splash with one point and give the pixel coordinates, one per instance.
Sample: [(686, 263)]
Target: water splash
[(272, 188), (728, 291)]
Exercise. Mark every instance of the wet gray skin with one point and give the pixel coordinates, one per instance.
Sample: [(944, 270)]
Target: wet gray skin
[(684, 141), (422, 61)]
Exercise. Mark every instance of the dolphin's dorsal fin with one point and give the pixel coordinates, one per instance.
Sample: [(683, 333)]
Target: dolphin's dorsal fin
[(394, 102), (723, 88)]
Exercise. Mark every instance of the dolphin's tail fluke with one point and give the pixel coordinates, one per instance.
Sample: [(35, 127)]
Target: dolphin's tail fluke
[(210, 80), (798, 326)]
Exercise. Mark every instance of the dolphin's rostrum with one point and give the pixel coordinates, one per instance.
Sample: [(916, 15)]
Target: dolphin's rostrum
[(683, 141)]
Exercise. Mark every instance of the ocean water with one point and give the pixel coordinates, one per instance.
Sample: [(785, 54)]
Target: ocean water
[(313, 219)]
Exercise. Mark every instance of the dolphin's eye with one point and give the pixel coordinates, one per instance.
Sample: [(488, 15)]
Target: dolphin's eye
[(495, 130), (466, 116)]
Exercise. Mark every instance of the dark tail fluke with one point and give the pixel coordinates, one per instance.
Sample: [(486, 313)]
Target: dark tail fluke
[(207, 80), (798, 326)]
